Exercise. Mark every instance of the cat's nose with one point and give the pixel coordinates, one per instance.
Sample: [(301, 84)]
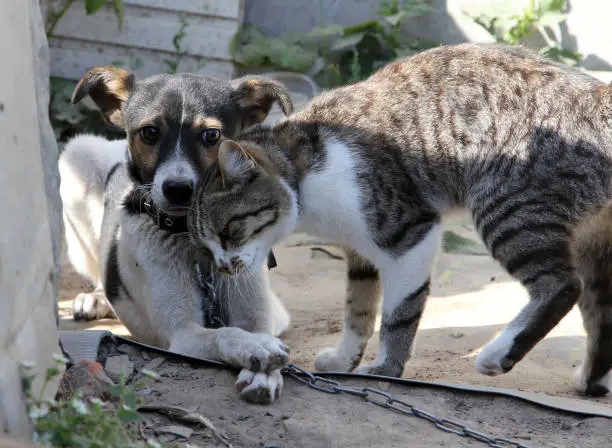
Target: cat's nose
[(237, 264), (225, 269)]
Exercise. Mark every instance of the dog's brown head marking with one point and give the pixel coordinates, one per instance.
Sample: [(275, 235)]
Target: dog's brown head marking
[(257, 95), (109, 87)]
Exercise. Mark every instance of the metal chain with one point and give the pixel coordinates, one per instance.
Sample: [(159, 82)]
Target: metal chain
[(385, 400)]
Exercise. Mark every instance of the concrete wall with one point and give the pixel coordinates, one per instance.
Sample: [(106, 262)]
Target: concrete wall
[(587, 29), (145, 41), (30, 218)]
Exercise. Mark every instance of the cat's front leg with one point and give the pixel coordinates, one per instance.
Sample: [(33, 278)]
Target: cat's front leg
[(406, 287), (362, 299)]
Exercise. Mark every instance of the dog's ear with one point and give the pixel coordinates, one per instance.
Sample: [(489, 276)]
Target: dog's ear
[(109, 87), (255, 96), (233, 160)]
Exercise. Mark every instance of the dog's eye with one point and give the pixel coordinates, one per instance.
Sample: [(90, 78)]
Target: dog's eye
[(149, 134), (210, 136)]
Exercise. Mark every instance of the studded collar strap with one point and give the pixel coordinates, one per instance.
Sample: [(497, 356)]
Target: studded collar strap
[(139, 202)]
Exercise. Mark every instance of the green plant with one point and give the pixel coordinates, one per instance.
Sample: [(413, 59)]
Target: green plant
[(57, 8), (85, 422), (177, 43), (334, 54), (510, 24)]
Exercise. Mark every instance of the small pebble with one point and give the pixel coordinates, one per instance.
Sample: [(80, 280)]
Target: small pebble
[(154, 364), (181, 431), (117, 366)]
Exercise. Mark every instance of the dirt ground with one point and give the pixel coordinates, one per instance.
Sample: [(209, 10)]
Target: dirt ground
[(472, 299)]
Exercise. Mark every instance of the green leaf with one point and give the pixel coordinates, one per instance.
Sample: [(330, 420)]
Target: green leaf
[(119, 8), (395, 19), (453, 243), (92, 6), (128, 415), (52, 372), (115, 390), (552, 5), (552, 18), (326, 31), (368, 25), (129, 399), (348, 42)]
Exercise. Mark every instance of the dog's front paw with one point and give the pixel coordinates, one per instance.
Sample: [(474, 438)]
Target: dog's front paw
[(91, 306), (331, 360), (258, 352), (259, 387)]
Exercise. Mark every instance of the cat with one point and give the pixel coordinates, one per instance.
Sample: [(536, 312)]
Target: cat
[(524, 143)]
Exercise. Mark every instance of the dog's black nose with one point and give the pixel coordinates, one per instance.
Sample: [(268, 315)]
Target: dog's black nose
[(177, 192)]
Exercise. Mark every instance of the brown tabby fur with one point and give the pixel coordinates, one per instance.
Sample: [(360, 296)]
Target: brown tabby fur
[(523, 143)]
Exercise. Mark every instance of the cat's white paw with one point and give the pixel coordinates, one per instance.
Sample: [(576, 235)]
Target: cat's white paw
[(331, 360), (91, 306), (393, 370), (259, 352), (259, 387), (597, 388), (493, 359)]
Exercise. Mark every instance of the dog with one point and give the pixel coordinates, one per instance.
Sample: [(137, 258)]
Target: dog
[(124, 212)]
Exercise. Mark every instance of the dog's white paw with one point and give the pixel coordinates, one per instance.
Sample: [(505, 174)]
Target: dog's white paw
[(331, 360), (493, 359), (91, 306), (259, 387), (259, 352), (598, 388)]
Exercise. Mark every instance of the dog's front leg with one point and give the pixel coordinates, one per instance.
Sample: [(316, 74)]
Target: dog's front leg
[(259, 354), (177, 318)]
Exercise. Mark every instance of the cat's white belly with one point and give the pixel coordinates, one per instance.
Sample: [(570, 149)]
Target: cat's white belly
[(331, 202)]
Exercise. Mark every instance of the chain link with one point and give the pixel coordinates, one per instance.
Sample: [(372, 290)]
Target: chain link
[(385, 400)]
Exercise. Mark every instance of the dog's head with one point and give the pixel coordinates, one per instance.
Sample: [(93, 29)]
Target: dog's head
[(175, 123)]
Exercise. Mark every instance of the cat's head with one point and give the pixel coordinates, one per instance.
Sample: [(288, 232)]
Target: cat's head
[(242, 207)]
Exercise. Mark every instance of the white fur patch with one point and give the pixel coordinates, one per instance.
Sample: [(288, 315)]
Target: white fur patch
[(380, 359), (332, 204), (241, 348), (580, 380), (489, 361), (404, 275), (340, 358), (259, 387)]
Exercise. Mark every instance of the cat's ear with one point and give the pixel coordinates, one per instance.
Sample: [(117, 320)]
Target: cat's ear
[(233, 159), (109, 87), (255, 97)]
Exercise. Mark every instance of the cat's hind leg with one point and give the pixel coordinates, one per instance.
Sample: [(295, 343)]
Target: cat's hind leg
[(362, 299), (406, 282), (593, 248), (532, 241)]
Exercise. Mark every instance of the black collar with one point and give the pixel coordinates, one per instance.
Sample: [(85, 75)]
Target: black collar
[(139, 202)]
